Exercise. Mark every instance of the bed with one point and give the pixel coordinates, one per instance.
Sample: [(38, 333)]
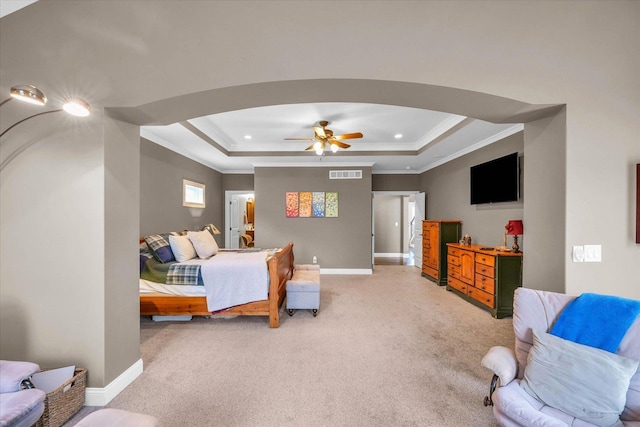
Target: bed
[(279, 268)]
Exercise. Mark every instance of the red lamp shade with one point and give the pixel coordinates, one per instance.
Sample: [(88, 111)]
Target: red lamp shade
[(514, 227)]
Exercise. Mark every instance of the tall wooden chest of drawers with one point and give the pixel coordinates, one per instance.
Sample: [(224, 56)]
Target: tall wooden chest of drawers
[(435, 236), (484, 277)]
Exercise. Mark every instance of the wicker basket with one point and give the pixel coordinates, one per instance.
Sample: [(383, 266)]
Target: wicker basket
[(60, 405)]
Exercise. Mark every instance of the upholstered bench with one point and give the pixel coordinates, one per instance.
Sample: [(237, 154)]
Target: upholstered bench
[(303, 289), (111, 417)]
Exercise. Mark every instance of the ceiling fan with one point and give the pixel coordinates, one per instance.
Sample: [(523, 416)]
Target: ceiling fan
[(324, 137)]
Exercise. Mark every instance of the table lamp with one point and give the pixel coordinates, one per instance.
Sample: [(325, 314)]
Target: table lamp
[(212, 229), (514, 228)]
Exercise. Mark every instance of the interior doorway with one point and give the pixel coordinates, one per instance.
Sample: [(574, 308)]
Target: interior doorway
[(239, 218), (394, 228)]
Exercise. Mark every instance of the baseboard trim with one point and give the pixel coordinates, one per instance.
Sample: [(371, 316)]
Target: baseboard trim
[(361, 271), (94, 396), (391, 255)]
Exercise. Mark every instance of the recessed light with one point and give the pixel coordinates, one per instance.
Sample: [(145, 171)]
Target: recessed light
[(408, 167), (397, 136), (247, 137)]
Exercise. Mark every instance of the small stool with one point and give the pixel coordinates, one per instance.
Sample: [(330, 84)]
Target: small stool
[(111, 417), (303, 290)]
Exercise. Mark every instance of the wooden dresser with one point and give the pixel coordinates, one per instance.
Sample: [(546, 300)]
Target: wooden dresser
[(435, 236), (484, 277)]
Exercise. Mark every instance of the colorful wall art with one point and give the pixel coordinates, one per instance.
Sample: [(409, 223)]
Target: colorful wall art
[(292, 204), (331, 199), (307, 204)]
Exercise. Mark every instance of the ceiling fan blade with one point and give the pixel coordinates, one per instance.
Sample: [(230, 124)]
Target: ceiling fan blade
[(310, 147), (348, 136), (299, 139), (319, 131), (340, 144)]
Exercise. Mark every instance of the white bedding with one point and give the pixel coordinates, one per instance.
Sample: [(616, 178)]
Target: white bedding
[(148, 287), (230, 278), (235, 278)]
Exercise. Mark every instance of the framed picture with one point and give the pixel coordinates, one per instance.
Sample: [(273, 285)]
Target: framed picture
[(193, 194)]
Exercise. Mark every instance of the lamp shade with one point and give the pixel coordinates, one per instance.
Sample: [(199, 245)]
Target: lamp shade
[(28, 93), (212, 228), (514, 227)]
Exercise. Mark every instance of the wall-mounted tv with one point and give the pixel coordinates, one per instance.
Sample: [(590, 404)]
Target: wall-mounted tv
[(495, 181)]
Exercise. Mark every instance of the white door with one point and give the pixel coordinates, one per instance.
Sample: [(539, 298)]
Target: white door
[(417, 228), (234, 226)]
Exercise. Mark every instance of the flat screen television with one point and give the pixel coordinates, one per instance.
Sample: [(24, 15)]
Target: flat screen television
[(495, 181)]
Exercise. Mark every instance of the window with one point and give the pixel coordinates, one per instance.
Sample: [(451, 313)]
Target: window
[(192, 194)]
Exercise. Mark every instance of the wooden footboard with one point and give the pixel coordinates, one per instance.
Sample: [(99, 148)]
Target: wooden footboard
[(280, 270)]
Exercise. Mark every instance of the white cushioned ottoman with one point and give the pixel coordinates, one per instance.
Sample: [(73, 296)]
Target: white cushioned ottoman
[(303, 290)]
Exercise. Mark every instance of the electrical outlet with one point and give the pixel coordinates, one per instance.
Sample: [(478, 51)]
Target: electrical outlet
[(315, 259), (578, 254)]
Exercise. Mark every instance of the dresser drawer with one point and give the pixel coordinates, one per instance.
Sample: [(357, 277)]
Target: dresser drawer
[(486, 259), (486, 284), (454, 251), (481, 296), (453, 260), (453, 270), (458, 285), (485, 270), (431, 272)]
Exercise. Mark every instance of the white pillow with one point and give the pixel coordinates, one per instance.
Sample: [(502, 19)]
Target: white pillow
[(182, 248), (585, 382), (203, 242)]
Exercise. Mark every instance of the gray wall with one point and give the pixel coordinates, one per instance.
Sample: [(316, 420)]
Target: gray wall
[(161, 175), (387, 212), (343, 242), (121, 291), (395, 182), (237, 182), (545, 205), (447, 195)]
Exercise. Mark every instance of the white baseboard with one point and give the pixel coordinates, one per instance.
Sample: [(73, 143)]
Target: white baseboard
[(94, 396), (391, 255), (346, 271)]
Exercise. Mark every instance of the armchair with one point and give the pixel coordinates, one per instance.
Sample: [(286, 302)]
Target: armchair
[(513, 406), (19, 407)]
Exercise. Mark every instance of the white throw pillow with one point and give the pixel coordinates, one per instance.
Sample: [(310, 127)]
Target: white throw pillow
[(182, 248), (203, 242), (585, 382)]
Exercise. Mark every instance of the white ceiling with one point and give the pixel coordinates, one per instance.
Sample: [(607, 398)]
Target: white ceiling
[(429, 138)]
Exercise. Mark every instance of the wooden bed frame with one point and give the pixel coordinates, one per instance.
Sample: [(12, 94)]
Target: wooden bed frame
[(280, 270)]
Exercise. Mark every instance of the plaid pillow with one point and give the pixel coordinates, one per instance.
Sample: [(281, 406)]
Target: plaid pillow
[(159, 247)]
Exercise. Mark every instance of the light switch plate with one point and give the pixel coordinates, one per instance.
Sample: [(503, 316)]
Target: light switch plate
[(578, 254), (592, 253)]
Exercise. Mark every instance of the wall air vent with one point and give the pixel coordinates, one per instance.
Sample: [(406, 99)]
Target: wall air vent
[(345, 174)]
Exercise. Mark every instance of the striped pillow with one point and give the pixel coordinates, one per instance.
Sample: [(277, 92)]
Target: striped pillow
[(159, 247)]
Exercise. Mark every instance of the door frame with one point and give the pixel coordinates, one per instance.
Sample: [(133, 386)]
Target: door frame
[(228, 194), (384, 193)]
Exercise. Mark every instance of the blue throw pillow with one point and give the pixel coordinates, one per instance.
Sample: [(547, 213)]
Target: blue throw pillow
[(160, 248)]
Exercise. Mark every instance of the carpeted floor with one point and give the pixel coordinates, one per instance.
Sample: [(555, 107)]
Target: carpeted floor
[(390, 349)]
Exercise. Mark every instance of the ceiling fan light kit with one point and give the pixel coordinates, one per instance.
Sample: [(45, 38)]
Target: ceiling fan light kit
[(324, 137)]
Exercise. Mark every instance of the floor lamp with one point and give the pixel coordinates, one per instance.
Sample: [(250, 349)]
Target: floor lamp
[(31, 94)]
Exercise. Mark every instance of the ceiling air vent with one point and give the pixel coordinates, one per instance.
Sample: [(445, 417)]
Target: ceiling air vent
[(354, 174)]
